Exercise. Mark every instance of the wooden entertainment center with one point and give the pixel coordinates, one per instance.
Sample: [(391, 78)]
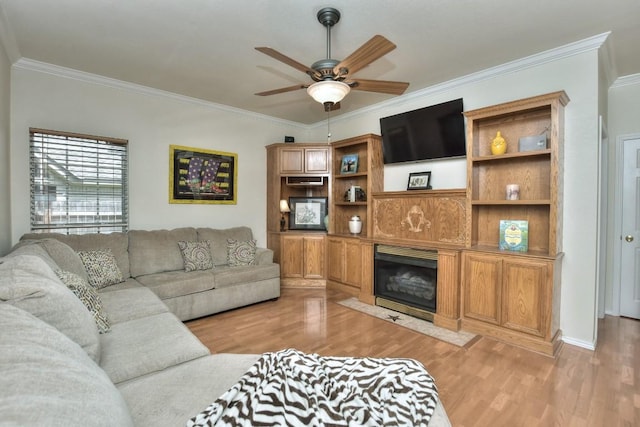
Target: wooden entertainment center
[(512, 296)]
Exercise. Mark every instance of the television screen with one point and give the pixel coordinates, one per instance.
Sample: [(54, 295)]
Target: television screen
[(433, 132)]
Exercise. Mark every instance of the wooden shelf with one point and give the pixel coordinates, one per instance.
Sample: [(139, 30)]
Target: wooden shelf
[(509, 202), (513, 295), (350, 203), (519, 154), (351, 175)]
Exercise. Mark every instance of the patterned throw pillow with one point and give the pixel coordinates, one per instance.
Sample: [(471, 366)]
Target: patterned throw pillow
[(102, 269), (241, 253), (196, 255), (89, 297)]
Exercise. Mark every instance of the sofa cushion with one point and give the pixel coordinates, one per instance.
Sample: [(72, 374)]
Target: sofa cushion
[(102, 268), (157, 251), (33, 247), (173, 284), (241, 252), (88, 295), (218, 239), (196, 255), (27, 282), (229, 276), (117, 242), (170, 397), (131, 303), (46, 379), (149, 344)]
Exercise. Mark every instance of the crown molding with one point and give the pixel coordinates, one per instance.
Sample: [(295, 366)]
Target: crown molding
[(631, 79), (556, 54), (568, 50), (69, 73)]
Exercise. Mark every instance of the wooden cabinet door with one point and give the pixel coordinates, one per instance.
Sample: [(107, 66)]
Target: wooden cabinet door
[(316, 160), (482, 287), (525, 295), (291, 160), (314, 261), (292, 257), (335, 259), (352, 272)]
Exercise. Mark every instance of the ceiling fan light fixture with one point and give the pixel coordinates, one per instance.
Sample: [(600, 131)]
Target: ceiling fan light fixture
[(328, 91)]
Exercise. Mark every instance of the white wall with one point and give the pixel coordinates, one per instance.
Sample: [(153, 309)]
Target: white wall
[(578, 76), (151, 122), (5, 164)]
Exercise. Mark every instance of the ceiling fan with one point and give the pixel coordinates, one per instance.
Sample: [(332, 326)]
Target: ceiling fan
[(332, 78)]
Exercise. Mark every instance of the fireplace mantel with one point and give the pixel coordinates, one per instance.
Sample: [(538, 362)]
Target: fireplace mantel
[(428, 219), (421, 218)]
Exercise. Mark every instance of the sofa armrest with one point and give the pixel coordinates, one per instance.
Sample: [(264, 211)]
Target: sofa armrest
[(264, 256)]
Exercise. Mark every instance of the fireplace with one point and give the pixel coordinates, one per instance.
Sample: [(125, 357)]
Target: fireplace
[(405, 280)]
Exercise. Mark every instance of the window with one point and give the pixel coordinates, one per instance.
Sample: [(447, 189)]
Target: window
[(78, 183)]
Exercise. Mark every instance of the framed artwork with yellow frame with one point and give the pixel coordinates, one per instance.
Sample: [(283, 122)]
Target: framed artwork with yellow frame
[(197, 175)]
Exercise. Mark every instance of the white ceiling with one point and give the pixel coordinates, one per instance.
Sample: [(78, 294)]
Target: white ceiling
[(205, 48)]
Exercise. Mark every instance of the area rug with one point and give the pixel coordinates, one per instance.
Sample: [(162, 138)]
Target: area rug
[(425, 327)]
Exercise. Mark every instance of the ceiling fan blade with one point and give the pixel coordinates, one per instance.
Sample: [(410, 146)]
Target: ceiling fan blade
[(291, 62), (382, 86), (375, 48), (282, 90)]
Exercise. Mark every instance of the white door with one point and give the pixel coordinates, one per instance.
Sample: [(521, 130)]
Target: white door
[(630, 253)]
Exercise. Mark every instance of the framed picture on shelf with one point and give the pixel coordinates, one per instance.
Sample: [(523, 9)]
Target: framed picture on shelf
[(349, 164), (307, 213), (419, 181)]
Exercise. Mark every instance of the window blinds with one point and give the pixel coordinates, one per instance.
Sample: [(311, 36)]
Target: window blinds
[(78, 183)]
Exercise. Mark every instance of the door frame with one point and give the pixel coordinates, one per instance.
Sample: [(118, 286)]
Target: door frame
[(616, 238)]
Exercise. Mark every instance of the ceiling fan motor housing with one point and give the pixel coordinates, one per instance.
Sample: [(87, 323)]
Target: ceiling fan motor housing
[(328, 16)]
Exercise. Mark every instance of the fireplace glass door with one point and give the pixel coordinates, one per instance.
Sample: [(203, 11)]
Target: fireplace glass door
[(406, 276)]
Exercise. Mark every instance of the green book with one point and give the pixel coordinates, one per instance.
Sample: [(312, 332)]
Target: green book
[(514, 235)]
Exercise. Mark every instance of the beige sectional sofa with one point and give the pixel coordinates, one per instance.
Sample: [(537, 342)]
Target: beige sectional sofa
[(57, 369), (154, 260), (148, 369)]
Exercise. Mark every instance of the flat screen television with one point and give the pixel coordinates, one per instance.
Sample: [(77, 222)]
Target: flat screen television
[(434, 132)]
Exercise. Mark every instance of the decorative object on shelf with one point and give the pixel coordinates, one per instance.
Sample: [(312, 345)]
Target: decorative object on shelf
[(514, 235), (355, 225), (349, 164), (326, 222), (498, 145), (419, 181), (284, 208), (532, 143), (355, 194), (202, 176), (513, 192), (307, 213)]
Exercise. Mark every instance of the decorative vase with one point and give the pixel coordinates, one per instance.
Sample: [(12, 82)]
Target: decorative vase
[(326, 222), (355, 225), (498, 145)]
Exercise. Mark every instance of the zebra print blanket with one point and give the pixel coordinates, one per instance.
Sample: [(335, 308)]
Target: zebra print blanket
[(291, 388)]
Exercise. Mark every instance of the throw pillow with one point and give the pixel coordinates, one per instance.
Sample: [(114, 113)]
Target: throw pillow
[(241, 253), (89, 297), (196, 255), (102, 269)]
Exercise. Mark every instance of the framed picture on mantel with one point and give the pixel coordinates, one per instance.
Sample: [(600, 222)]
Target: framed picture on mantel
[(419, 181)]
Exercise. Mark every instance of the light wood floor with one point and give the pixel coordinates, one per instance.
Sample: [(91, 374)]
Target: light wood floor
[(486, 383)]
